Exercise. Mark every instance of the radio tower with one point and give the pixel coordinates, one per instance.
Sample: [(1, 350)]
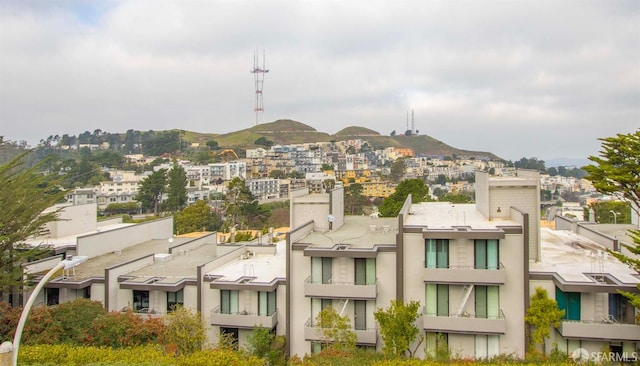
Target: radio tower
[(258, 76)]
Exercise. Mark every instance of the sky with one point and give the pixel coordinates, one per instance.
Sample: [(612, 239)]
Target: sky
[(539, 78)]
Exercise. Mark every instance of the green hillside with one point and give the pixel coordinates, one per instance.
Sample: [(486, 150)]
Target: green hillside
[(282, 132)]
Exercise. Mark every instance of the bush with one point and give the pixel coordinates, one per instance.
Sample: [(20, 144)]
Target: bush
[(125, 329)]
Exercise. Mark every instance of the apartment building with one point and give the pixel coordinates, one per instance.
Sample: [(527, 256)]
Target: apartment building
[(472, 268), (467, 265), (585, 280), (337, 261)]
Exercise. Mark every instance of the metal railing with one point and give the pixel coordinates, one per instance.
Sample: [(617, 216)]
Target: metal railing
[(341, 283), (465, 315), (218, 310)]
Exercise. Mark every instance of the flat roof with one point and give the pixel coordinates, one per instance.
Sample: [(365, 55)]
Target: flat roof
[(261, 267), (446, 215), (71, 239), (181, 264), (94, 267), (359, 231), (572, 257)]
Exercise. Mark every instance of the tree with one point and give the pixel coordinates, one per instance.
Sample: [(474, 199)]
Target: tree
[(75, 319), (542, 314), (326, 167), (398, 329), (24, 196), (335, 330), (212, 145), (454, 198), (617, 171), (354, 201), (263, 343), (162, 142), (177, 188), (392, 205), (263, 142), (195, 217), (239, 203), (398, 169), (185, 330), (610, 212), (151, 190), (277, 174)]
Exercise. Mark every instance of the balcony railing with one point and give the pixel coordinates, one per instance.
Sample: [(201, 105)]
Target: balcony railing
[(465, 323), (243, 319), (340, 290), (465, 275), (603, 329), (364, 336)]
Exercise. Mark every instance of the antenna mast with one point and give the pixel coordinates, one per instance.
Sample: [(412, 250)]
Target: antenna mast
[(258, 76)]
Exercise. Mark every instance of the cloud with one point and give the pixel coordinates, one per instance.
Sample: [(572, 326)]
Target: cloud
[(529, 78)]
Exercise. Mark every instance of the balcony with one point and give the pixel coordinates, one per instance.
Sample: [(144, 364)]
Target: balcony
[(340, 290), (606, 330), (364, 336), (465, 275), (467, 323), (243, 319)]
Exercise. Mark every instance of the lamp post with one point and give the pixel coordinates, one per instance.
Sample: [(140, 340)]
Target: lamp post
[(615, 216), (68, 263)]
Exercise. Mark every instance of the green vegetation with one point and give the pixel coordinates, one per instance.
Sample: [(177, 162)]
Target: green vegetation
[(543, 313), (392, 205), (185, 331), (25, 197), (335, 330), (196, 217), (617, 171), (151, 190), (397, 328), (176, 189)]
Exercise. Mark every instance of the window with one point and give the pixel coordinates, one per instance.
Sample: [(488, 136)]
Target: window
[(437, 253), (570, 303), (365, 271), (486, 254), (232, 334), (174, 299), (360, 314), (266, 303), (52, 296), (435, 343), (321, 268), (437, 300), (229, 301), (140, 300), (487, 346), (487, 302)]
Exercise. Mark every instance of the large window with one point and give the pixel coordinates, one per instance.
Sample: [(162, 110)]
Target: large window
[(487, 346), (365, 271), (487, 302), (174, 299), (436, 343), (486, 254), (266, 303), (437, 253), (437, 299), (140, 300), (321, 270), (570, 303), (229, 301)]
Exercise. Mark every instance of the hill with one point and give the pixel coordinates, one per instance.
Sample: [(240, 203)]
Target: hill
[(285, 131)]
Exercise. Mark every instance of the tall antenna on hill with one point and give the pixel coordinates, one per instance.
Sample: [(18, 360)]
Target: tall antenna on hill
[(258, 76)]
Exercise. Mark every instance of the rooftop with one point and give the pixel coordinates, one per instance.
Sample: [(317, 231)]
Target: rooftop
[(261, 267), (70, 240), (572, 257), (445, 215), (359, 231)]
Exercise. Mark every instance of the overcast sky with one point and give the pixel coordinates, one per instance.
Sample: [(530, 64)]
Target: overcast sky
[(517, 78)]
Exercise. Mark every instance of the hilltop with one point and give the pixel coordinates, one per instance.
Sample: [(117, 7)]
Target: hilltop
[(285, 131)]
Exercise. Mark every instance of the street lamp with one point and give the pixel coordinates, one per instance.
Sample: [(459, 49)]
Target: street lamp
[(68, 263), (615, 216)]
